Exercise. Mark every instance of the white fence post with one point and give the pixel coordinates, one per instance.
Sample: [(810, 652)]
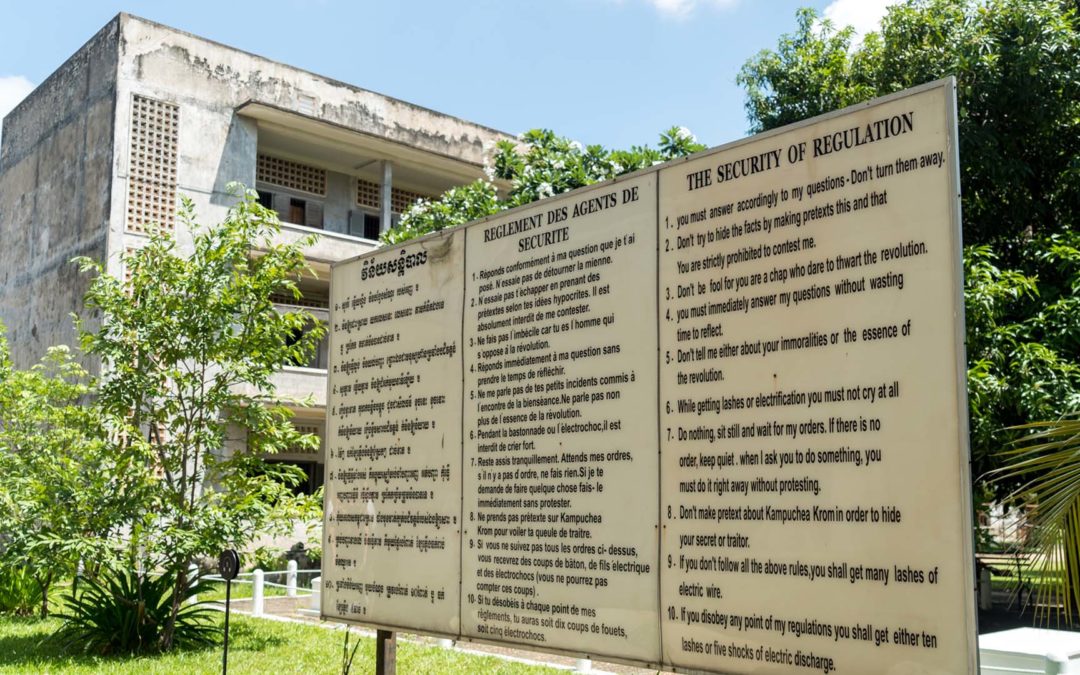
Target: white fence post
[(986, 590), (290, 580), (257, 593), (316, 588), (583, 666)]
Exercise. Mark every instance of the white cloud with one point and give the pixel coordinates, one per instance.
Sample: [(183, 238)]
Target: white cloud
[(13, 88), (682, 8), (864, 15)]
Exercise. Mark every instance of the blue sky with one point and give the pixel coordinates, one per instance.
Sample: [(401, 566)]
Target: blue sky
[(614, 72)]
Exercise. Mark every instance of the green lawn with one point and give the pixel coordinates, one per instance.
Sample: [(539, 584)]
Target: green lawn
[(255, 646), (1037, 583)]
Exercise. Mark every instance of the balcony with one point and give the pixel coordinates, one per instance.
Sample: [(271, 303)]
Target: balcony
[(298, 383), (330, 247)]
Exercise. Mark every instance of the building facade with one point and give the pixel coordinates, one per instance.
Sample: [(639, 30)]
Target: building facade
[(143, 112)]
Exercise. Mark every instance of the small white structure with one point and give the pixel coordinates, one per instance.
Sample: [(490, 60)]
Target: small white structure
[(316, 592), (290, 580), (1029, 651), (257, 597)]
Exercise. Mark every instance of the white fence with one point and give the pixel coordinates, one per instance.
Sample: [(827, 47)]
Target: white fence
[(291, 576)]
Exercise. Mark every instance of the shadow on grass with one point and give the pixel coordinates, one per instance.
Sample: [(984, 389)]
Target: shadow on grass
[(32, 642), (25, 642), (25, 647), (245, 636)]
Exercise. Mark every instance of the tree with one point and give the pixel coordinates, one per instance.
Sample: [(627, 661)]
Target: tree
[(64, 494), (1018, 92), (813, 71), (1023, 360), (188, 346), (544, 165)]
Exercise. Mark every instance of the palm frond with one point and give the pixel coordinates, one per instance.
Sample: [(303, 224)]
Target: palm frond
[(1046, 463)]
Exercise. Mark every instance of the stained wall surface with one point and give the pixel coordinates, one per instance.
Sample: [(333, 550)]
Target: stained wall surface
[(56, 195)]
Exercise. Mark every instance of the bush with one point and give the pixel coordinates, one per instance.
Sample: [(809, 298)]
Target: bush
[(266, 558), (314, 555), (20, 593), (125, 612)]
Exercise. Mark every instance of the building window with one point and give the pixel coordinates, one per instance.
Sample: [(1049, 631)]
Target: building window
[(364, 224), (128, 253), (367, 221), (297, 209), (318, 358), (307, 459), (307, 212), (155, 131), (313, 472)]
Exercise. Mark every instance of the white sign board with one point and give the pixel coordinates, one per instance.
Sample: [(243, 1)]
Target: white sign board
[(560, 449), (392, 521), (707, 417)]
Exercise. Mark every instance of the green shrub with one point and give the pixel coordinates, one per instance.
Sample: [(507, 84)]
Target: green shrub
[(266, 558), (124, 612), (314, 555), (20, 594)]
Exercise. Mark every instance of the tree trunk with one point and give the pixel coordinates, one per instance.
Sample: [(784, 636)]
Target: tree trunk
[(179, 588), (44, 585)]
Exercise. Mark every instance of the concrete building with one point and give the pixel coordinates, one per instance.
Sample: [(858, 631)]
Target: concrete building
[(142, 112)]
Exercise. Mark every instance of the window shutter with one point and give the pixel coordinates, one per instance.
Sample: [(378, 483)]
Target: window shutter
[(281, 205), (356, 223), (313, 215)]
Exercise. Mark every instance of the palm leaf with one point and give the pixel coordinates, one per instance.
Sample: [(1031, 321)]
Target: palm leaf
[(124, 612), (1047, 464)]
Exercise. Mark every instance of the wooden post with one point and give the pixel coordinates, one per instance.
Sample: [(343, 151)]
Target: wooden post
[(385, 653)]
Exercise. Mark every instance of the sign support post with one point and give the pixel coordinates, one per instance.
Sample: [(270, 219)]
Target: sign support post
[(228, 568), (385, 652)]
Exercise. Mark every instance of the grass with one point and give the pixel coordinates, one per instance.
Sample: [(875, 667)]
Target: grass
[(1038, 583), (255, 646)]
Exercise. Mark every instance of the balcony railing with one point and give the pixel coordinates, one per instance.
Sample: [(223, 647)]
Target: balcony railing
[(331, 246)]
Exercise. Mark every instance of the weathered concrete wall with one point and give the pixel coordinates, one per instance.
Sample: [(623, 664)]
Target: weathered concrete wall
[(64, 162), (200, 70), (340, 196), (209, 81), (55, 195)]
